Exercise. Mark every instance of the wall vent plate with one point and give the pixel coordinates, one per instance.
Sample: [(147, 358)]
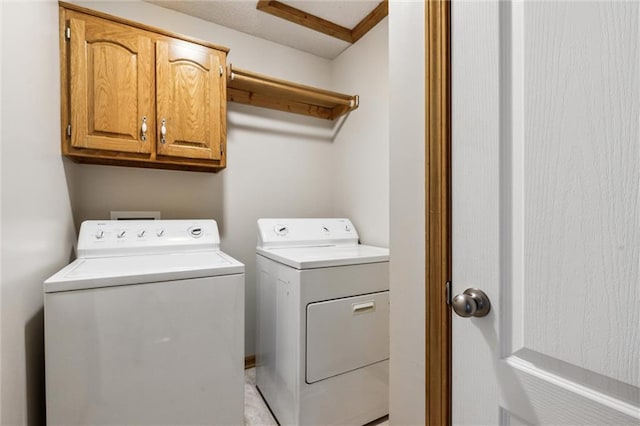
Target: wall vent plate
[(137, 215)]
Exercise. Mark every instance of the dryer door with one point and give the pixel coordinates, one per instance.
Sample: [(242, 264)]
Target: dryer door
[(346, 334)]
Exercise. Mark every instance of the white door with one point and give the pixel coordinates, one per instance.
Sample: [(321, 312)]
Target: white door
[(546, 211)]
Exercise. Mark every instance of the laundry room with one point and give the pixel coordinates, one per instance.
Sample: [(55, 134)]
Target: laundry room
[(319, 212), (278, 165)]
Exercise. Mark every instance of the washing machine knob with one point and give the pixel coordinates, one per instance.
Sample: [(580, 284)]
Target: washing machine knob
[(195, 232), (160, 232), (141, 233), (99, 234)]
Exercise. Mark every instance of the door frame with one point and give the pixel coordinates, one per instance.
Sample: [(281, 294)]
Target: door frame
[(437, 211)]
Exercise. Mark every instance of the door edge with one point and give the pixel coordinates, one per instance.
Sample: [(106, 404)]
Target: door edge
[(437, 211)]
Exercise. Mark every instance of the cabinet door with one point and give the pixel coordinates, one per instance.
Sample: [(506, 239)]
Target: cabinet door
[(189, 97), (112, 88)]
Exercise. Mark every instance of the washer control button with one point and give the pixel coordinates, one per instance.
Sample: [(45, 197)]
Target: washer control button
[(141, 233), (160, 232), (121, 234), (99, 234)]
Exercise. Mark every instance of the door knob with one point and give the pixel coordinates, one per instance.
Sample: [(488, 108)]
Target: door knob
[(471, 303)]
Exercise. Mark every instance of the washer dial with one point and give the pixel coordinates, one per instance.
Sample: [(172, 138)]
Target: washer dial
[(195, 231)]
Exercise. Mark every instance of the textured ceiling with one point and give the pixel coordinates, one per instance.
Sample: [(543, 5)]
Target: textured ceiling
[(242, 15)]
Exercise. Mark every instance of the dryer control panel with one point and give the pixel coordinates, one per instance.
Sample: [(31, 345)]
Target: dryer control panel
[(305, 232), (99, 238)]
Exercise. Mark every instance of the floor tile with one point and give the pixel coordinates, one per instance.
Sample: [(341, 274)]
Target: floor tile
[(256, 412)]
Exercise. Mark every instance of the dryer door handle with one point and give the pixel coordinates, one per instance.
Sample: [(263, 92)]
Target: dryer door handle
[(363, 306)]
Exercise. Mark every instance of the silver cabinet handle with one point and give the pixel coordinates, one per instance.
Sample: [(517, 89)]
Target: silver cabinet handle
[(143, 129), (472, 302), (163, 131)]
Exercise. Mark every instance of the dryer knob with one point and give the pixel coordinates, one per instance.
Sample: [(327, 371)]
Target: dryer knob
[(281, 230)]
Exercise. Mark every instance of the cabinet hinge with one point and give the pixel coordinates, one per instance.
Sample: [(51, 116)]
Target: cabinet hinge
[(447, 292), (69, 130), (67, 33)]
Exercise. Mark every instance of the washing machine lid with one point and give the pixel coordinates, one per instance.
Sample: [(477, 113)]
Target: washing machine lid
[(325, 256), (94, 272)]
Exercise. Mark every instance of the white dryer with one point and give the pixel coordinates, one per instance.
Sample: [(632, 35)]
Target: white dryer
[(323, 323), (146, 327)]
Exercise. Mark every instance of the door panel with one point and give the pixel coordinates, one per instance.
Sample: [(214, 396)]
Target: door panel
[(546, 211), (357, 325), (112, 66), (189, 100), (111, 86)]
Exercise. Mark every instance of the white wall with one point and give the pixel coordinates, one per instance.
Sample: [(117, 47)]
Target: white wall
[(279, 164), (361, 148), (407, 212), (37, 226)]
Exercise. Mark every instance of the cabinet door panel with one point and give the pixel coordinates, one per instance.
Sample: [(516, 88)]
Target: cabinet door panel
[(111, 86), (189, 98)]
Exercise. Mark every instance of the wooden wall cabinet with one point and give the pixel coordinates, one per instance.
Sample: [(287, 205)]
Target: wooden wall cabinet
[(139, 96)]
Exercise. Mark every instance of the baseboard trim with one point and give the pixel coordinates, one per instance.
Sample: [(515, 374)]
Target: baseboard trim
[(249, 362)]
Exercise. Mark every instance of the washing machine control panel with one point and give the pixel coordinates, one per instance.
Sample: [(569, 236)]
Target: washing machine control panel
[(301, 232), (99, 238)]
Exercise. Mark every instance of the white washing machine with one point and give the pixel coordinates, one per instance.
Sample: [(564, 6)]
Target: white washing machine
[(323, 323), (146, 327)]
